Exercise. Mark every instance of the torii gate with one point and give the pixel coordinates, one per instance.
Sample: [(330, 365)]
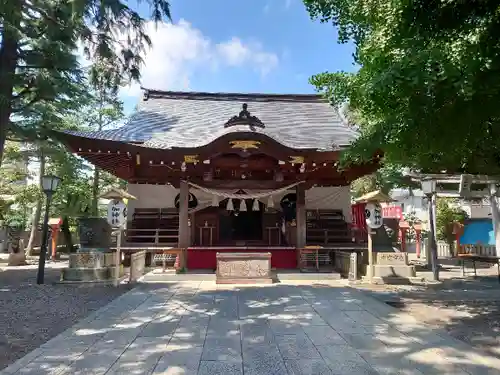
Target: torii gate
[(465, 183)]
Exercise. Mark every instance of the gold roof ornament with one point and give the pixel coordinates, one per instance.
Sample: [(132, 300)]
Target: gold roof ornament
[(244, 145), (191, 159), (297, 159)]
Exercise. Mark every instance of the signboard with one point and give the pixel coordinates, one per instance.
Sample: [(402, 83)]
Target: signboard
[(373, 214), (117, 213)]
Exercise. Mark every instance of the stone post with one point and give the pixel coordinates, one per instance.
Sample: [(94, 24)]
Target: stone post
[(418, 238)]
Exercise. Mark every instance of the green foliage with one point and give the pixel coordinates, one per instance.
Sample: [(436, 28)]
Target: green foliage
[(447, 213), (385, 179), (38, 55), (428, 87)]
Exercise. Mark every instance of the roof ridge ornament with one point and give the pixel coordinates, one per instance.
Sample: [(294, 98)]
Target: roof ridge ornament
[(245, 118)]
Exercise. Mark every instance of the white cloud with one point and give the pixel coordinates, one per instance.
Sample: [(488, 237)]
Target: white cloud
[(180, 50), (235, 53)]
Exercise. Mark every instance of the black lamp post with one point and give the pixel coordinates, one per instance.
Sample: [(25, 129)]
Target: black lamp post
[(49, 186), (429, 190)]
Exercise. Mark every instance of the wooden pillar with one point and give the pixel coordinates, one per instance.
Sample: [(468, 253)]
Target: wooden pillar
[(184, 230), (301, 216)]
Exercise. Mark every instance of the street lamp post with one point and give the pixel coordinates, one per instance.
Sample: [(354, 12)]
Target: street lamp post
[(49, 186), (429, 189)]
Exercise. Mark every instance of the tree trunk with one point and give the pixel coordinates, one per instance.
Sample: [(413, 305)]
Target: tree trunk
[(95, 193), (38, 208), (68, 240), (8, 61), (95, 185)]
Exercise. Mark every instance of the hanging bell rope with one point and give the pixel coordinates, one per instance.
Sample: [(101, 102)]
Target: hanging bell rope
[(255, 206), (230, 206)]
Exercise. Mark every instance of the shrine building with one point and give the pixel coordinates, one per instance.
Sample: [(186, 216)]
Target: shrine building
[(216, 172)]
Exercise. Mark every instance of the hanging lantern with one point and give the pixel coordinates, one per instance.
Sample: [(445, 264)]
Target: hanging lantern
[(255, 206), (243, 205), (270, 202), (230, 206), (215, 201)]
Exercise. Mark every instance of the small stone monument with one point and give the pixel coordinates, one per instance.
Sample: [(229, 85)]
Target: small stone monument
[(383, 266), (94, 260)]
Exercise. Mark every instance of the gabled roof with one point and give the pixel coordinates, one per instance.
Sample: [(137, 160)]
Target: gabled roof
[(167, 119)]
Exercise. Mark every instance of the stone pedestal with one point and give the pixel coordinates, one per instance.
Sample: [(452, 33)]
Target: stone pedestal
[(93, 261), (89, 266), (244, 268), (392, 267)]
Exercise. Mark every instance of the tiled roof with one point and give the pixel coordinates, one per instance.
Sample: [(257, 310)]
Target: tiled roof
[(188, 119)]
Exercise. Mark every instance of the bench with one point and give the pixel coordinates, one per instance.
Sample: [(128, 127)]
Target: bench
[(471, 257)]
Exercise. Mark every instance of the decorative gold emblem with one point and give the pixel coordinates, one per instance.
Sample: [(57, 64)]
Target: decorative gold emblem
[(296, 159), (244, 145), (190, 159)]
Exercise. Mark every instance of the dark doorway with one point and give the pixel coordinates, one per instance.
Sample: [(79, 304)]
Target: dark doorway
[(239, 225)]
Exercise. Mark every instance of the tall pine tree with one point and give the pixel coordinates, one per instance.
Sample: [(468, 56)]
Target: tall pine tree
[(38, 42)]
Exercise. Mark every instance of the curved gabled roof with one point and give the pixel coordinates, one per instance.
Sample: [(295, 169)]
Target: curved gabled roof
[(188, 119)]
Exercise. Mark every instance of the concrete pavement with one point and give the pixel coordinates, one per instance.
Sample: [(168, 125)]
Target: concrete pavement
[(199, 328)]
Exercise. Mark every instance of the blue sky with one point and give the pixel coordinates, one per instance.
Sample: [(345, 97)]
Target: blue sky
[(271, 46)]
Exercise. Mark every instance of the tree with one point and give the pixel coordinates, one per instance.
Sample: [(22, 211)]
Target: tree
[(38, 44), (388, 177), (448, 212), (428, 84), (103, 111)]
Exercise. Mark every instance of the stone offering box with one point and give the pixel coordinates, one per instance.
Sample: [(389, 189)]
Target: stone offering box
[(244, 268), (392, 265)]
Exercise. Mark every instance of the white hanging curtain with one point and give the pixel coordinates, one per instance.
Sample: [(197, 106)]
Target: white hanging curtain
[(230, 206)]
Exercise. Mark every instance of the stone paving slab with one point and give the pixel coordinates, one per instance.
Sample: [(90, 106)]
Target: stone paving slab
[(199, 328)]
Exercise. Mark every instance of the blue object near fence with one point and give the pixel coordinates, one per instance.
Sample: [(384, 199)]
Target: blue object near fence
[(478, 232)]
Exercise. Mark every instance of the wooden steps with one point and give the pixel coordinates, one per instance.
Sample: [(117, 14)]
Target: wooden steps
[(326, 227)]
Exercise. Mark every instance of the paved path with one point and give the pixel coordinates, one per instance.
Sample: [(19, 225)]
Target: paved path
[(198, 328)]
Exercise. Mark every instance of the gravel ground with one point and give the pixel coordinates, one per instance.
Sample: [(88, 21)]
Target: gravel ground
[(468, 309), (31, 314)]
